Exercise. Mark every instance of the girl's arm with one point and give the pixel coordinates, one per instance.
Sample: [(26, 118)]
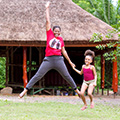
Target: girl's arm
[(48, 24), (64, 52), (95, 75), (78, 71)]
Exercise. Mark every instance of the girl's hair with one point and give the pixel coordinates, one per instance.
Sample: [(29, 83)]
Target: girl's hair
[(90, 53), (56, 27)]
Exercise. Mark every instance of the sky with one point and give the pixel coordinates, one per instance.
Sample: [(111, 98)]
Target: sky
[(114, 2)]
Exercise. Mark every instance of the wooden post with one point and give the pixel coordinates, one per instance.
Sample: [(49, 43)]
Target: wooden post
[(102, 73), (108, 92), (30, 62), (97, 90), (115, 76), (12, 71), (7, 67), (25, 66)]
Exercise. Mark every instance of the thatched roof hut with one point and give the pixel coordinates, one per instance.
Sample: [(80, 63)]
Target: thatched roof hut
[(22, 22)]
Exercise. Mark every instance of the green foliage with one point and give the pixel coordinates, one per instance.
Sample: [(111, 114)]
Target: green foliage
[(32, 66), (111, 33), (111, 55), (97, 37), (2, 72), (98, 69), (85, 5), (106, 11), (103, 9), (118, 63)]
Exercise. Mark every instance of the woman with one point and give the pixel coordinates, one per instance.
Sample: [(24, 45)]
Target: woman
[(53, 58)]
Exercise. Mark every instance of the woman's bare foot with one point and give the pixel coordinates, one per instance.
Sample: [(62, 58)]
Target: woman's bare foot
[(23, 93)]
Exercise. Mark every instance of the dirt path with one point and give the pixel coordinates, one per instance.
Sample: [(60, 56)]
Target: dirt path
[(68, 99)]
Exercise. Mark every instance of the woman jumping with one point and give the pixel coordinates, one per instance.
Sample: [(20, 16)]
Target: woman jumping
[(53, 57), (90, 78)]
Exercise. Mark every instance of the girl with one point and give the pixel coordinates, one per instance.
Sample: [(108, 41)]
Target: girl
[(90, 78), (53, 58)]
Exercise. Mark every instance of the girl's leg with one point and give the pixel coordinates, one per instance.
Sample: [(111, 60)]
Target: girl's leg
[(82, 92), (90, 90), (43, 69)]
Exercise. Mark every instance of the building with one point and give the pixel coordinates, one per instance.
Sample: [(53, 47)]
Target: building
[(23, 38)]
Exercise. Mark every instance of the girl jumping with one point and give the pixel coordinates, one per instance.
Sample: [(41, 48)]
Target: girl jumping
[(53, 57), (90, 78)]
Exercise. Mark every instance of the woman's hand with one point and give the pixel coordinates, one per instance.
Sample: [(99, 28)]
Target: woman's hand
[(73, 68), (72, 64), (47, 4)]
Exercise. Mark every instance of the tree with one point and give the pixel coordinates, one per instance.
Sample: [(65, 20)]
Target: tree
[(106, 11), (103, 9)]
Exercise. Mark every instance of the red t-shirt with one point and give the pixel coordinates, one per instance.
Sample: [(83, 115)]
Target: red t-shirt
[(54, 45)]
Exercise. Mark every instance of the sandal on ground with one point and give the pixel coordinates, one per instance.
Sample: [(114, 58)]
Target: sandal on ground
[(23, 93), (83, 108), (92, 106)]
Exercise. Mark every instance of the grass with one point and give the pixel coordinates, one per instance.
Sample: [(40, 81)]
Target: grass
[(56, 111)]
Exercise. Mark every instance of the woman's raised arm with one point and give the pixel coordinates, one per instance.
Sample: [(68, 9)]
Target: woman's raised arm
[(48, 24)]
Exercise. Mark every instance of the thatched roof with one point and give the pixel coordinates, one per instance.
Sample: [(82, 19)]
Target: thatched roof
[(24, 20)]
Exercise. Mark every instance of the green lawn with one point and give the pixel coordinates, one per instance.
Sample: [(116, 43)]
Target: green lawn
[(56, 111)]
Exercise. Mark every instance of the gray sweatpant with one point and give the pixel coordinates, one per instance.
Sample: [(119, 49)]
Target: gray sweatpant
[(52, 62)]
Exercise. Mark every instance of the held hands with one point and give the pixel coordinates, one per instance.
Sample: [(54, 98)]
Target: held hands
[(47, 4), (78, 71), (72, 64), (73, 67)]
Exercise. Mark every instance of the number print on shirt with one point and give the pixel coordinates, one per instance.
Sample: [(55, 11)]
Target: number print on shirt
[(55, 43)]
